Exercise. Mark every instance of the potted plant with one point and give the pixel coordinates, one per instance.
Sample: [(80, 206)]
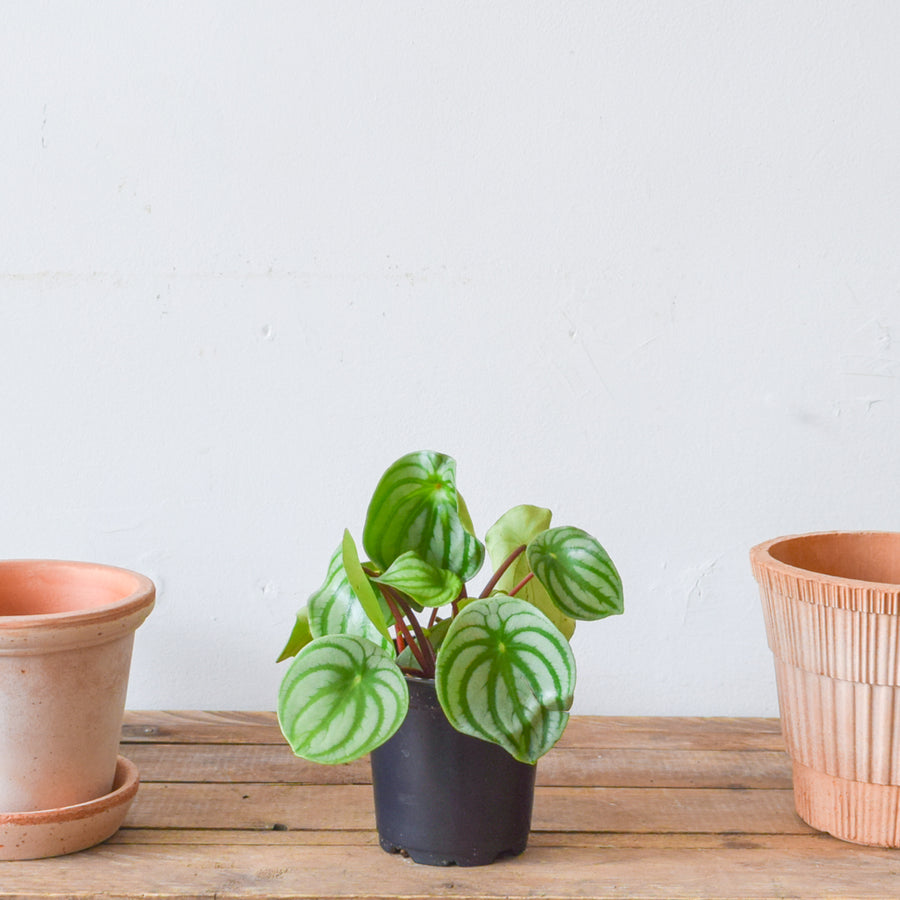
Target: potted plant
[(66, 635), (455, 696)]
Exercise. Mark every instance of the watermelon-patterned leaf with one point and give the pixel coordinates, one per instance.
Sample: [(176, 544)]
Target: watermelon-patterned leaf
[(418, 579), (506, 674), (300, 636), (341, 697), (416, 507), (516, 528), (577, 572), (335, 609)]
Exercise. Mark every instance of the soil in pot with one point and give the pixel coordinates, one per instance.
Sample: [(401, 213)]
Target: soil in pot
[(445, 798)]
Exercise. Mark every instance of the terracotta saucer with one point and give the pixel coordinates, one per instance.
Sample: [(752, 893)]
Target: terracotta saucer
[(53, 832)]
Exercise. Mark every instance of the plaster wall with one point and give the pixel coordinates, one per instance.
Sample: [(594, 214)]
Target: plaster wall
[(637, 262)]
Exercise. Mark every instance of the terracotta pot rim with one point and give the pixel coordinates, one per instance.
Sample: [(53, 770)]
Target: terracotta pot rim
[(761, 555), (139, 601)]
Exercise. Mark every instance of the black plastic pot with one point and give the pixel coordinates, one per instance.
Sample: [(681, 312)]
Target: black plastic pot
[(445, 798)]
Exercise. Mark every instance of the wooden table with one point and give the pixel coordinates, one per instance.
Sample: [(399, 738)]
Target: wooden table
[(625, 807)]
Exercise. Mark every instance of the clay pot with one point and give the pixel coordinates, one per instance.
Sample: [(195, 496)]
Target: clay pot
[(445, 798), (831, 604), (66, 635)]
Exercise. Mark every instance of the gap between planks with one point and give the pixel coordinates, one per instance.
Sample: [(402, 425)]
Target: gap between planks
[(576, 809), (267, 763), (812, 842)]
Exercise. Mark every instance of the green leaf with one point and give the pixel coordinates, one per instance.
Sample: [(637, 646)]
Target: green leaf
[(577, 572), (341, 697), (506, 674), (416, 507), (335, 608), (515, 528), (300, 636), (426, 585), (359, 581)]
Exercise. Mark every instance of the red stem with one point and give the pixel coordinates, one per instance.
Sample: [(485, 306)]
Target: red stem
[(402, 630), (499, 573), (421, 646), (521, 584)]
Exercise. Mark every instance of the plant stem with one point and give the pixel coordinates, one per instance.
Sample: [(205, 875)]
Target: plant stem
[(454, 607), (420, 646), (422, 640), (402, 630), (499, 573), (521, 584)]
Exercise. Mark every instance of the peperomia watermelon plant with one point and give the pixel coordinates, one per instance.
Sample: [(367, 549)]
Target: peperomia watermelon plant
[(501, 661)]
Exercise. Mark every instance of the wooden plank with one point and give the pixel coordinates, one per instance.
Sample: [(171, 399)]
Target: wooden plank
[(757, 769), (673, 733), (312, 807), (199, 727), (264, 763), (585, 732), (223, 763), (242, 872)]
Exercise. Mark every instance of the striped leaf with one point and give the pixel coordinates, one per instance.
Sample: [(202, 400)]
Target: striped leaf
[(506, 674), (341, 697), (515, 528), (416, 507), (426, 585), (335, 609), (577, 572)]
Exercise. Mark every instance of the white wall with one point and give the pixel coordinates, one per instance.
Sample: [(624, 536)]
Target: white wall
[(634, 261)]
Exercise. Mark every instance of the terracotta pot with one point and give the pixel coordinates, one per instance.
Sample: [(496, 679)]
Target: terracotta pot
[(66, 635), (831, 604), (445, 798)]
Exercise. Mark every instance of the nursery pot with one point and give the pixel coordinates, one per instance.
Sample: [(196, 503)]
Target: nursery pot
[(831, 604), (66, 635), (445, 798)]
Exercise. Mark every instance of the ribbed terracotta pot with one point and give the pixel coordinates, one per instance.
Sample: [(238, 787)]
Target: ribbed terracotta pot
[(831, 604), (66, 636)]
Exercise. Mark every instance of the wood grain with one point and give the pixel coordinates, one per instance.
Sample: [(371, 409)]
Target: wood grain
[(624, 807), (590, 732), (213, 763), (324, 807), (238, 871)]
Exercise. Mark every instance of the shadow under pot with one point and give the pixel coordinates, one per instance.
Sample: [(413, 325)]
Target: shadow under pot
[(445, 798)]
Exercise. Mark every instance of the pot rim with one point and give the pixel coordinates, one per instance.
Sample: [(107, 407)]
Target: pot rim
[(761, 556), (138, 601)]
